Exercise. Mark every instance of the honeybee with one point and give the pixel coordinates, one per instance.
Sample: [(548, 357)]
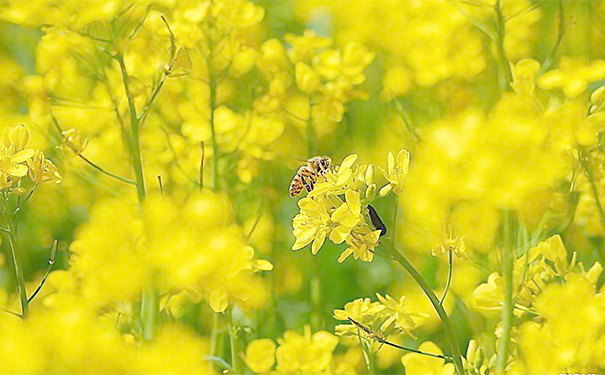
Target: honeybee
[(306, 175)]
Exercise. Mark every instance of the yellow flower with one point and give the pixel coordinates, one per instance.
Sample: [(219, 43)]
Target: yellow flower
[(335, 181), (13, 164), (42, 170), (260, 355), (524, 76), (362, 242), (14, 155), (396, 172), (399, 317), (417, 364), (347, 216), (451, 243), (311, 225), (362, 310)]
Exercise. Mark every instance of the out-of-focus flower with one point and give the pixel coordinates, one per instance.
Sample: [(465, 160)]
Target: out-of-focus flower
[(307, 353), (573, 75), (524, 76), (260, 355), (416, 364), (72, 140)]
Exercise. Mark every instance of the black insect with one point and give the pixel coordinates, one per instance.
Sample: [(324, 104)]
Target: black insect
[(376, 220)]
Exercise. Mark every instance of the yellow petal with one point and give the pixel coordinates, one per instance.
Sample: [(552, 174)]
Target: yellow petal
[(348, 161), (339, 234), (345, 254), (318, 242), (23, 155), (17, 170)]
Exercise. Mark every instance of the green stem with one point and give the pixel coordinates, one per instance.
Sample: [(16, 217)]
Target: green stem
[(236, 363), (150, 299), (215, 150), (507, 312), (16, 258), (105, 172), (394, 227), (214, 334), (445, 320), (135, 146), (595, 192), (150, 307), (504, 71), (449, 276)]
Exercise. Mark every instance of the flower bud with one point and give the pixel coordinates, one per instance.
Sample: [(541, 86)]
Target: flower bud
[(369, 176), (598, 96), (371, 193)]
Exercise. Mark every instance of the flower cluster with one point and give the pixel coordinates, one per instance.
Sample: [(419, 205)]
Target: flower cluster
[(198, 249), (324, 214), (309, 353), (385, 317), (17, 162)]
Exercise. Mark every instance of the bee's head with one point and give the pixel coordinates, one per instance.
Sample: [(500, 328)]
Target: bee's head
[(324, 163)]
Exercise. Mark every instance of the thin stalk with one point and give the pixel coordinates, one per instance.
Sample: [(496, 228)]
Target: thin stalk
[(90, 162), (366, 354), (504, 72), (443, 316), (373, 335), (105, 172), (507, 312), (49, 267), (394, 226), (449, 276), (10, 312), (444, 357), (406, 120)]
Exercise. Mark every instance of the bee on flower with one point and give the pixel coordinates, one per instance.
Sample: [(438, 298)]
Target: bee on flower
[(337, 208)]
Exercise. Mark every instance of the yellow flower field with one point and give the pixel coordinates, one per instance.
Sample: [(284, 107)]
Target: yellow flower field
[(302, 187)]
